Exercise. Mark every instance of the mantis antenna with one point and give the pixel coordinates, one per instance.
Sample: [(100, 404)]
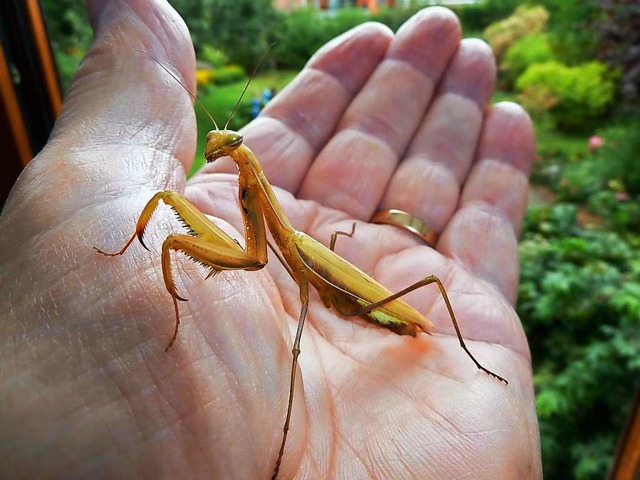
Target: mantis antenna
[(253, 74), (195, 98), (175, 77)]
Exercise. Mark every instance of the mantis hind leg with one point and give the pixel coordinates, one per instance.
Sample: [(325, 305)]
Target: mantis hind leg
[(443, 292), (295, 351), (334, 236)]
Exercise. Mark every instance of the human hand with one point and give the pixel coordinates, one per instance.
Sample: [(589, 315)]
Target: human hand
[(85, 383)]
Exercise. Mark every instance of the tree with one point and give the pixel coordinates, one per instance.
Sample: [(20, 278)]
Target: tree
[(618, 32), (67, 24), (240, 28)]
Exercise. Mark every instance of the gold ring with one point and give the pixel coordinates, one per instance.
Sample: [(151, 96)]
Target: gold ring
[(402, 219)]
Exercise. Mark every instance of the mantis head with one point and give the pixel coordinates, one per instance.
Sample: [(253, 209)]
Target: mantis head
[(220, 143)]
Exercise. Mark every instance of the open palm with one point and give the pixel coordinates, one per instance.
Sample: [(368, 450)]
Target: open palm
[(374, 121)]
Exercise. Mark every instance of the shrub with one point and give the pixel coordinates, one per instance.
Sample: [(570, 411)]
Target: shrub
[(579, 300), (478, 16), (67, 64), (620, 154), (574, 95), (579, 180), (242, 29), (345, 19), (300, 35), (527, 51), (618, 34), (396, 16), (204, 76), (570, 25), (620, 211), (214, 57), (228, 74), (603, 175), (242, 116), (305, 30), (525, 20)]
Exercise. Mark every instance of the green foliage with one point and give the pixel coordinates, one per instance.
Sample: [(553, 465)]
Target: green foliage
[(605, 180), (571, 28), (525, 20), (620, 211), (345, 19), (69, 33), (228, 74), (478, 16), (305, 30), (67, 64), (300, 35), (573, 95), (527, 51), (67, 24), (579, 301), (618, 34), (214, 57), (395, 17), (620, 155), (579, 180), (242, 29), (199, 17)]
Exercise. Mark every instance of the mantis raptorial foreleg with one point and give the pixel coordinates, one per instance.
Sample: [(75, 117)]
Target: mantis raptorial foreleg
[(339, 284), (206, 243)]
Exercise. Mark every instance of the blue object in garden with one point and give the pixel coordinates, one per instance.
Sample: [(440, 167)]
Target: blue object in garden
[(266, 96), (255, 108)]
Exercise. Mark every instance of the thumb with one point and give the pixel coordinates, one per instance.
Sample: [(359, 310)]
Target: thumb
[(123, 97), (125, 121)]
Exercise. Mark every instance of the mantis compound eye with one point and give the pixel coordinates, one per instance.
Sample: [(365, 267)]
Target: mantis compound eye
[(232, 139), (221, 143)]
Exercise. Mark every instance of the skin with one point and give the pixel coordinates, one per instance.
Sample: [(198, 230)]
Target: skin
[(374, 121)]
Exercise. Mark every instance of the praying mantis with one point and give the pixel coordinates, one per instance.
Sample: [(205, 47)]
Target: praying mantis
[(339, 284)]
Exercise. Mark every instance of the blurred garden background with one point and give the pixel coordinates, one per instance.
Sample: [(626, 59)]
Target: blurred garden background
[(575, 66)]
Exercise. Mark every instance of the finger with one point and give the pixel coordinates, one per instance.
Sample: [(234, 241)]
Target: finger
[(352, 171), (427, 183), (124, 114), (483, 233), (294, 126)]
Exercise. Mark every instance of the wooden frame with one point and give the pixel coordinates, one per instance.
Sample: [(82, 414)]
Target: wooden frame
[(627, 463), (30, 94)]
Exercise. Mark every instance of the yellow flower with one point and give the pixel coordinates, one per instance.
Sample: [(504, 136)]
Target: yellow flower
[(204, 76)]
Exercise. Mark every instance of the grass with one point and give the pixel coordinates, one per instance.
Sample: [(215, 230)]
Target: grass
[(220, 100)]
